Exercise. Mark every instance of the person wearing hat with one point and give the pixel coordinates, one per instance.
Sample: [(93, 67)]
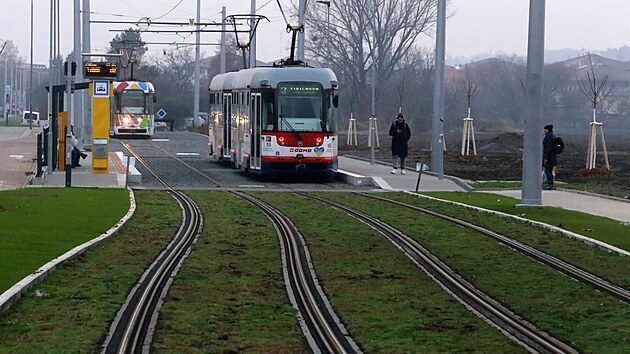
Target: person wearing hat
[(400, 133), (549, 155)]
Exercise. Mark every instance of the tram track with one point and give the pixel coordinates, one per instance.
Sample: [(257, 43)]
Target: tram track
[(560, 265), (320, 325), (132, 330), (516, 328)]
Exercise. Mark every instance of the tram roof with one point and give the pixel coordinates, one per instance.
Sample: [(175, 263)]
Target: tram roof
[(271, 76)]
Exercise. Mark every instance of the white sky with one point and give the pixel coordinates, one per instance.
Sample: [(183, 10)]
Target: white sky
[(476, 26)]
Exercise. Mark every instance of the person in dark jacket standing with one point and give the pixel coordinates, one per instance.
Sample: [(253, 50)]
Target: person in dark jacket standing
[(400, 133), (549, 155)]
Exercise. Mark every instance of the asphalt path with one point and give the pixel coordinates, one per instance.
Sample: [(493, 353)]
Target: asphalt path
[(192, 148)]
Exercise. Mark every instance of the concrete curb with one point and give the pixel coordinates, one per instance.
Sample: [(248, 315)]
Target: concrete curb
[(13, 294), (570, 234), (134, 175), (354, 179), (458, 181)]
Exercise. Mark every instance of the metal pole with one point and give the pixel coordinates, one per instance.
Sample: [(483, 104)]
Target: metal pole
[(30, 92), (437, 139), (51, 83), (372, 121), (197, 66), (4, 96), (86, 131), (69, 123), (532, 145), (77, 101), (328, 31), (223, 49), (300, 49), (252, 36)]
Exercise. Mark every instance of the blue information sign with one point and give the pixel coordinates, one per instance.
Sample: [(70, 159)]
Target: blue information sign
[(161, 113)]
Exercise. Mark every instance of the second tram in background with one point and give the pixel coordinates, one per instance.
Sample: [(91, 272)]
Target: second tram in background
[(132, 109), (275, 120)]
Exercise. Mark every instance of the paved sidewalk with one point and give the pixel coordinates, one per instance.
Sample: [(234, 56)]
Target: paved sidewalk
[(17, 156), (612, 208), (382, 177)]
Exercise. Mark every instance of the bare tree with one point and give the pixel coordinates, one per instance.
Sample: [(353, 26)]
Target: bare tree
[(368, 33), (596, 92)]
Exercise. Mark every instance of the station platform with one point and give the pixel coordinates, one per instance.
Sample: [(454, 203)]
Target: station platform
[(360, 171), (83, 177)]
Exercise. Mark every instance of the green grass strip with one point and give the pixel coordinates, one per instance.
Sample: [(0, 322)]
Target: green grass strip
[(71, 310), (496, 184), (39, 224), (592, 321), (229, 295), (603, 229), (385, 301)]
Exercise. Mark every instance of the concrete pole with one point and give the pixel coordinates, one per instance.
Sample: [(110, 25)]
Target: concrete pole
[(4, 91), (532, 144), (223, 49), (197, 65), (77, 98), (252, 36), (300, 48), (437, 138), (86, 133)]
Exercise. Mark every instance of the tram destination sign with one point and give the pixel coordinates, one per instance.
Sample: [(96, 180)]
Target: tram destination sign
[(299, 89), (101, 70)]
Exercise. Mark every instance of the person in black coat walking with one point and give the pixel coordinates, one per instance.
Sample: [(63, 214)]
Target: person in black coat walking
[(549, 155), (400, 133)]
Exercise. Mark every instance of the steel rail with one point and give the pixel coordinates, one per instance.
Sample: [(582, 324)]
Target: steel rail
[(566, 268), (323, 333), (131, 329), (327, 334), (481, 304)]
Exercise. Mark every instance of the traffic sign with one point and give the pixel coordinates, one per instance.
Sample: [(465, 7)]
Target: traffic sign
[(161, 113)]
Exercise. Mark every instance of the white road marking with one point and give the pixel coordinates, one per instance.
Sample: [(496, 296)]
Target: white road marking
[(251, 186), (161, 140), (16, 156), (187, 154)]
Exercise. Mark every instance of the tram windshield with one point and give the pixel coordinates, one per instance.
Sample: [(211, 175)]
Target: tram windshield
[(133, 102), (301, 107)]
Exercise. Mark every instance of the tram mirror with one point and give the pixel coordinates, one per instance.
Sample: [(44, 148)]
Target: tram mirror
[(336, 100)]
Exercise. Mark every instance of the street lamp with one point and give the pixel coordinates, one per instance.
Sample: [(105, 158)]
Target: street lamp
[(327, 3)]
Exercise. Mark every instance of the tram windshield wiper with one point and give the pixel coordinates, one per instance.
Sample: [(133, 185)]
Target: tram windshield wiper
[(290, 127)]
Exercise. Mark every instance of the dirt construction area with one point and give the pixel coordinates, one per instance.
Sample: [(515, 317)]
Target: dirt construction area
[(499, 157)]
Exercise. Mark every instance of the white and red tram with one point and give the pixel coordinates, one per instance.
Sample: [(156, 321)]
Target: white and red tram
[(275, 120)]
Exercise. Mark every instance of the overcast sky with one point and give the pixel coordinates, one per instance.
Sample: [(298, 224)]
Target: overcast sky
[(475, 26)]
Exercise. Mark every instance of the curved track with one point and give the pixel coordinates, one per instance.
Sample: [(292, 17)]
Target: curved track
[(131, 331), (320, 325), (481, 304), (568, 269)]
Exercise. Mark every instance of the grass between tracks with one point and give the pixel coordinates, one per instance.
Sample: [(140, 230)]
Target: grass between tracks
[(603, 229), (70, 312), (41, 224), (387, 304), (229, 295), (592, 321)]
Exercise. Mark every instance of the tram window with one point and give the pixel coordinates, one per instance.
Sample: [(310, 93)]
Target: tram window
[(269, 113)]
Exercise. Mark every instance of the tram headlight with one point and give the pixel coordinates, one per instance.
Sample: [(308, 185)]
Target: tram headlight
[(126, 119)]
